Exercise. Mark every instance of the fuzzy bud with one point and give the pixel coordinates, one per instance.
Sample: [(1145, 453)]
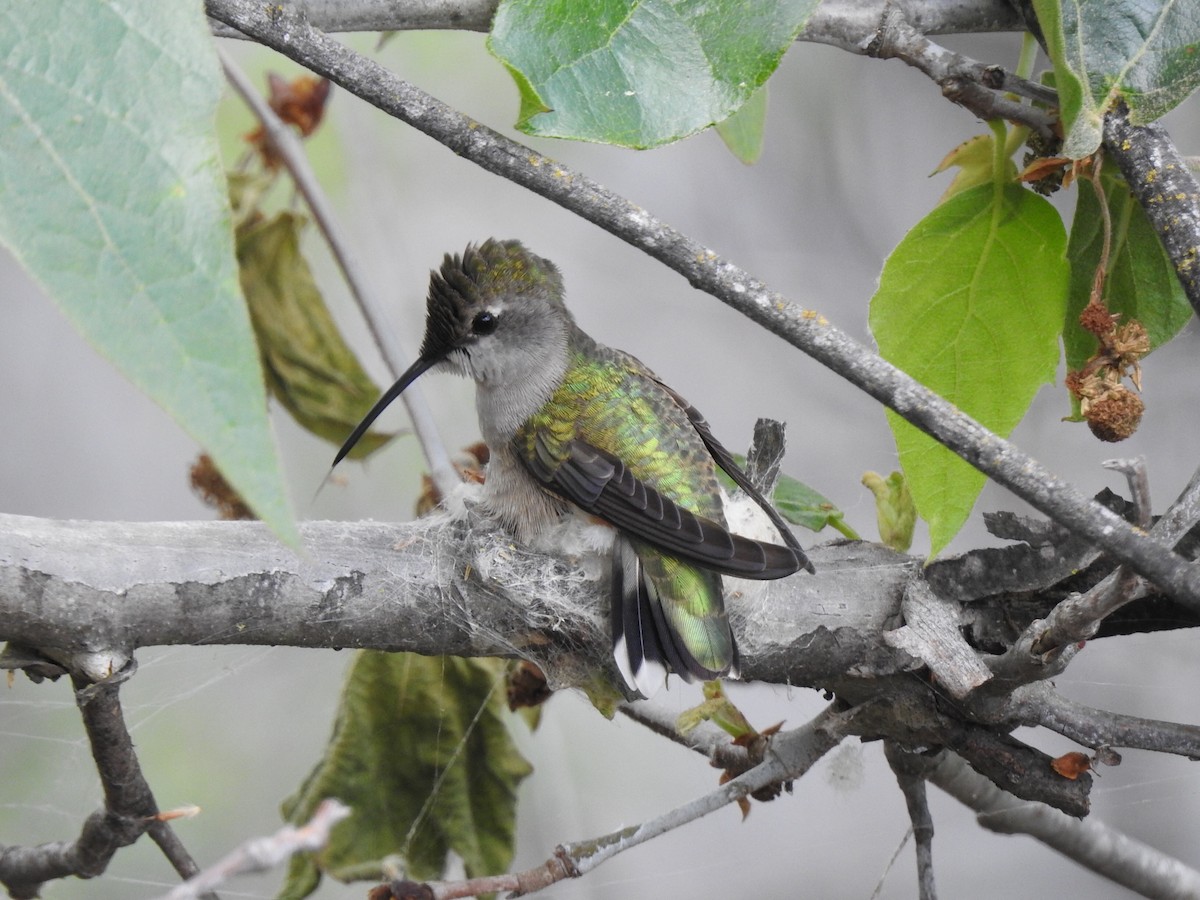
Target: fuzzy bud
[(1115, 415), (1096, 319)]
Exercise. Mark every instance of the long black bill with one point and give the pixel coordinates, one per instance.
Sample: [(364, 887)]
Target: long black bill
[(415, 371)]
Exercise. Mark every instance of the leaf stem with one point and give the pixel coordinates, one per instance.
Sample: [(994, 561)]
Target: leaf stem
[(1106, 219), (999, 156), (1029, 49)]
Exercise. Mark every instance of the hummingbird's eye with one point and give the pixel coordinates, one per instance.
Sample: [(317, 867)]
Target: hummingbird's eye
[(484, 323)]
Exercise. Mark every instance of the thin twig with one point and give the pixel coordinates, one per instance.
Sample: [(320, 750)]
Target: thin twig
[(1181, 516), (291, 152), (710, 742), (261, 854), (278, 27), (1037, 653), (974, 85), (1040, 704), (911, 770), (1138, 480), (1094, 845), (129, 806), (790, 755), (843, 18)]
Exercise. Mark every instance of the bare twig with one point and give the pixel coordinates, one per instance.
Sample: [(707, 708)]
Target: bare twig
[(387, 15), (707, 741), (1078, 619), (791, 754), (289, 149), (129, 807), (832, 17), (980, 88), (1047, 645), (1094, 845), (1041, 704), (281, 29), (1136, 476), (1181, 516), (265, 853), (911, 770)]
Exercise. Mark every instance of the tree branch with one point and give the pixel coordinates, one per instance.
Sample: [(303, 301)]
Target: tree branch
[(261, 854), (790, 755), (89, 593), (911, 770), (1040, 704), (830, 22), (1047, 645), (976, 86), (1165, 187), (1094, 845), (129, 807)]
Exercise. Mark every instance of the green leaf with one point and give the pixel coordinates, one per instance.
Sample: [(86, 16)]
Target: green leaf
[(421, 753), (1145, 53), (309, 367), (970, 304), (894, 509), (798, 503), (639, 73), (1141, 282), (113, 198), (975, 159), (801, 505), (718, 709), (743, 131)]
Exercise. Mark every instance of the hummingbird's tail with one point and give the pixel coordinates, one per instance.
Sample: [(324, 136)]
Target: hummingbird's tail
[(667, 616)]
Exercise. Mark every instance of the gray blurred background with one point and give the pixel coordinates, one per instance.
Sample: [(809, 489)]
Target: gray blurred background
[(844, 175)]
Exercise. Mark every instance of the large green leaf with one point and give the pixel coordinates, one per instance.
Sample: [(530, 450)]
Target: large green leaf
[(113, 198), (970, 304), (743, 131), (1140, 283), (1144, 52), (639, 73), (422, 755)]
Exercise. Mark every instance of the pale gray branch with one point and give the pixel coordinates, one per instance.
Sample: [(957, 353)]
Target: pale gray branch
[(832, 22), (264, 853), (1047, 645), (1092, 844), (89, 593), (790, 755)]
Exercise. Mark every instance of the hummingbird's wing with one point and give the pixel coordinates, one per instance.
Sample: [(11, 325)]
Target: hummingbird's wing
[(600, 483), (725, 460)]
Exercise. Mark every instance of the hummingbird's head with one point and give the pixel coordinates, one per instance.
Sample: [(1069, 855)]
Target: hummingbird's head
[(495, 313)]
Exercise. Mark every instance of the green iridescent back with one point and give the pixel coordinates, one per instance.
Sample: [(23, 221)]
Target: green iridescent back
[(610, 400)]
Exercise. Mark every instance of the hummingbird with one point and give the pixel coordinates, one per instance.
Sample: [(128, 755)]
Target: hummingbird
[(569, 423)]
